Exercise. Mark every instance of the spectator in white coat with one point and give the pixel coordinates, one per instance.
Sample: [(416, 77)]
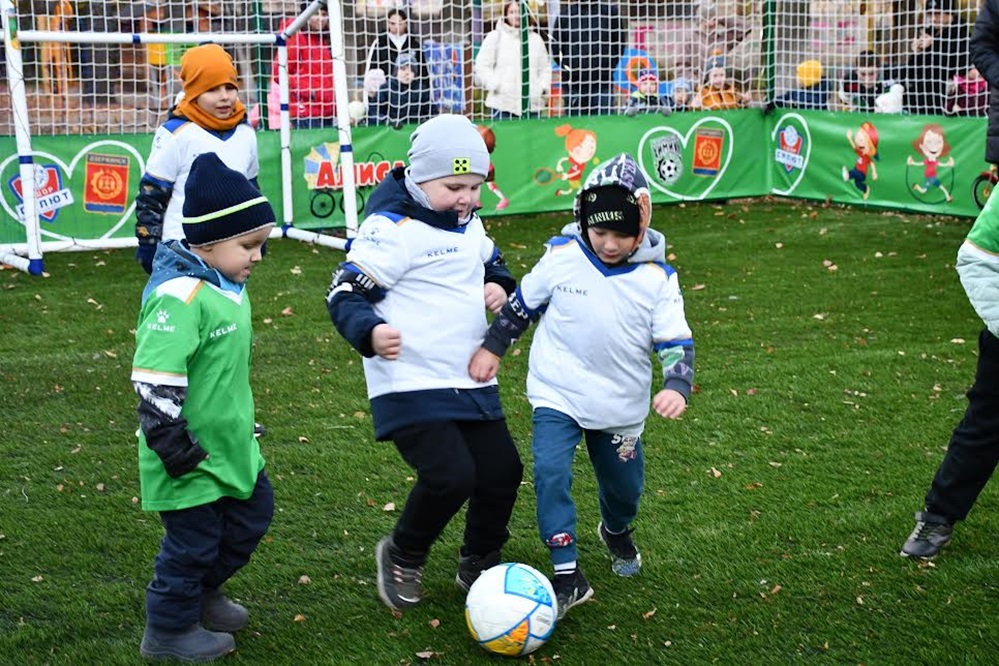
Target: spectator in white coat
[(499, 71)]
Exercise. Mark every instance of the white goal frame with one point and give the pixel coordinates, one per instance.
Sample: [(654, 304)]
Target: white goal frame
[(29, 255)]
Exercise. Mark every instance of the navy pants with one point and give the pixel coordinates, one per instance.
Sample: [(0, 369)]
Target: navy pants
[(202, 548), (455, 462), (619, 466), (973, 450)]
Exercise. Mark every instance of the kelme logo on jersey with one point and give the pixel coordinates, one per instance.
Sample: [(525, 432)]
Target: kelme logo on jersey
[(162, 316)]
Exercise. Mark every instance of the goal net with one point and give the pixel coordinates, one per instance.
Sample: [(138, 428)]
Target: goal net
[(406, 60)]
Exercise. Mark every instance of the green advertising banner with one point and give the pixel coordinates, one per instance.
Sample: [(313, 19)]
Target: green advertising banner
[(929, 164), (918, 163)]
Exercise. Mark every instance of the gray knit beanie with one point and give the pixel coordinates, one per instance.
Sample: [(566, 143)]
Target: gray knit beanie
[(448, 145)]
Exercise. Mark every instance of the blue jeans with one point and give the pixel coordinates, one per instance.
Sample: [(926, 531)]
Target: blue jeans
[(619, 466)]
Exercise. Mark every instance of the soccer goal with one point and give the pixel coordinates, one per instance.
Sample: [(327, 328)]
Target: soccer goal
[(123, 83)]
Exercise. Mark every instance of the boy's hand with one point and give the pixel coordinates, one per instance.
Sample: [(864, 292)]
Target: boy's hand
[(386, 341), (483, 366), (669, 404), (495, 297)]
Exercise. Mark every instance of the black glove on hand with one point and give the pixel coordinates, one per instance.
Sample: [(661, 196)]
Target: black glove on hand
[(144, 255), (178, 461)]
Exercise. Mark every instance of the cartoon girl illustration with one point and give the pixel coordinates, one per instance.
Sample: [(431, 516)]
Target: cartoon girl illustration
[(933, 145), (865, 144), (581, 144)]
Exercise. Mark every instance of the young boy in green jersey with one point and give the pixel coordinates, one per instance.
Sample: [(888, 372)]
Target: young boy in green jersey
[(199, 463)]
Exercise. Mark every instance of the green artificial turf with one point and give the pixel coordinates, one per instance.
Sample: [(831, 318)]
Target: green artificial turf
[(834, 347)]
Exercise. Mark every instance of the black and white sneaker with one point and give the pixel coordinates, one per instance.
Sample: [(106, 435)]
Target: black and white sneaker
[(571, 589), (259, 430), (932, 533), (398, 586), (625, 558)]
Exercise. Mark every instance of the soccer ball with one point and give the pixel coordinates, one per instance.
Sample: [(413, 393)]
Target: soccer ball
[(511, 609), (357, 110), (669, 169)]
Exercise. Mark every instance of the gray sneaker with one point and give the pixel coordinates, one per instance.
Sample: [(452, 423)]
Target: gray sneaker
[(219, 613), (470, 567), (625, 558), (571, 589), (932, 532), (398, 586), (192, 644)]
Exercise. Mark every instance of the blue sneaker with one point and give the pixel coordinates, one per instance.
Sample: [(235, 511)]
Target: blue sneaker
[(625, 558), (931, 533)]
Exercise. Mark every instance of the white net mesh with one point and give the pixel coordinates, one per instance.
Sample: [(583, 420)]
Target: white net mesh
[(469, 56)]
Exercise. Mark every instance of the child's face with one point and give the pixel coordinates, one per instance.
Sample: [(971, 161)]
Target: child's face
[(716, 78), (867, 76), (235, 257), (397, 25), (219, 101), (406, 75), (611, 247), (458, 193), (649, 87), (681, 96), (973, 74)]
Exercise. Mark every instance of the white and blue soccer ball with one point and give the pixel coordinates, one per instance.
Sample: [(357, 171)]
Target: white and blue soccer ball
[(511, 609)]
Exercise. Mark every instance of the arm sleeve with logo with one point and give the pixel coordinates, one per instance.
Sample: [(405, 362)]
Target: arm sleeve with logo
[(378, 258), (673, 342), (524, 306), (167, 336)]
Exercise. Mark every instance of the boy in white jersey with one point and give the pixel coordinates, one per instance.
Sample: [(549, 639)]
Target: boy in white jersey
[(412, 299), (199, 462), (605, 298), (209, 118)]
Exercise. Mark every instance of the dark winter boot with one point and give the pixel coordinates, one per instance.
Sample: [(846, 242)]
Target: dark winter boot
[(219, 613), (192, 644)]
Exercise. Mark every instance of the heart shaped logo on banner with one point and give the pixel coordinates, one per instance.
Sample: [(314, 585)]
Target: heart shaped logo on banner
[(713, 147), (68, 170)]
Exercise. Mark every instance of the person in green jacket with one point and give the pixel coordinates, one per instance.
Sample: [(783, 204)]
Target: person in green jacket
[(973, 451), (199, 464)]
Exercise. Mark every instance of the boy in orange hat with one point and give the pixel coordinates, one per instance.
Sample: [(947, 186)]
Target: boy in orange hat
[(209, 118)]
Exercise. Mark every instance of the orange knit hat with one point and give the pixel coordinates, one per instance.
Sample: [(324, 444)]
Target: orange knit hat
[(205, 67)]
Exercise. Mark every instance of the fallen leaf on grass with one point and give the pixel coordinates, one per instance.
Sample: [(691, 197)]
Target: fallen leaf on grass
[(37, 579), (753, 486), (698, 287), (389, 507), (100, 487), (426, 654), (434, 623), (299, 618), (288, 311), (715, 473), (304, 580), (646, 616), (296, 270), (957, 341)]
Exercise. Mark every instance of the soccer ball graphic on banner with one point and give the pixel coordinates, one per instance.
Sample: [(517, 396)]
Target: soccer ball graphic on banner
[(511, 609)]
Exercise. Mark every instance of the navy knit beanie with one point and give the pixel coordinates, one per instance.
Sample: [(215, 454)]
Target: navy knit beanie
[(220, 203)]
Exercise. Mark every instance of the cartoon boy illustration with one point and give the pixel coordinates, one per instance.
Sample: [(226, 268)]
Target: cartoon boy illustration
[(865, 144), (581, 145), (933, 145)]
